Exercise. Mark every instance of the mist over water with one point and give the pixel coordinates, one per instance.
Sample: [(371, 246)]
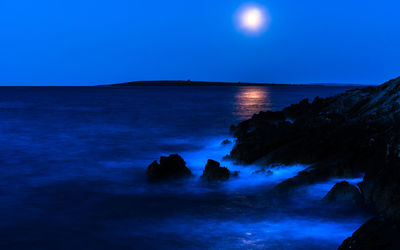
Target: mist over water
[(73, 161)]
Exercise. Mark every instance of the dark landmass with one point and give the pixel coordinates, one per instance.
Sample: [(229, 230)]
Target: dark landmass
[(354, 133), (200, 83)]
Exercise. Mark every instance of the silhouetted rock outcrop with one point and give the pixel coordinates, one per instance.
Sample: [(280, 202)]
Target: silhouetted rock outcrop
[(214, 172), (341, 136), (171, 167), (348, 126), (344, 193)]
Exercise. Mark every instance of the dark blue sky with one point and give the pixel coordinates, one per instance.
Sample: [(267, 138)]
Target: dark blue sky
[(81, 42)]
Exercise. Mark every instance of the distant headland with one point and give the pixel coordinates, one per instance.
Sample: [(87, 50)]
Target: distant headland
[(205, 83)]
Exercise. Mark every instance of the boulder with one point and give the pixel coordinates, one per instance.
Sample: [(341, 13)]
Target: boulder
[(344, 193), (214, 172), (171, 167)]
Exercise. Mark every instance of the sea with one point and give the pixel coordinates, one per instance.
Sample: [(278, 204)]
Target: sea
[(73, 172)]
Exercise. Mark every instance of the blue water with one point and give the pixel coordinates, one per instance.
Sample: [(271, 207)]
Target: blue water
[(73, 161)]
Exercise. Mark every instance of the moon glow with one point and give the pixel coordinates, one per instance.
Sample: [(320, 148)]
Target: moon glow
[(252, 18)]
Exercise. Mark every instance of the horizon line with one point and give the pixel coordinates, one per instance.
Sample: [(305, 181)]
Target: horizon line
[(189, 82)]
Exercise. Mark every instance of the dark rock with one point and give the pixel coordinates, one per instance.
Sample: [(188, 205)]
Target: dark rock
[(344, 193), (326, 129), (214, 172), (381, 188), (318, 172), (339, 136), (379, 233), (226, 142), (264, 172), (171, 167), (232, 128), (226, 158)]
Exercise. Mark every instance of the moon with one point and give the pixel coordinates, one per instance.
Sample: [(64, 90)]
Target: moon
[(252, 18)]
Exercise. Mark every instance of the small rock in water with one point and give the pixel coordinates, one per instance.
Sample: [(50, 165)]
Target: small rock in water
[(226, 142), (214, 172), (235, 174), (171, 167), (263, 171), (344, 193), (226, 157)]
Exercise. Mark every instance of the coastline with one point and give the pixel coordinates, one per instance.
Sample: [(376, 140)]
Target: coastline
[(342, 136)]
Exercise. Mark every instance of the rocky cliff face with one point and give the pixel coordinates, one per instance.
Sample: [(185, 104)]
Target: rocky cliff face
[(355, 132), (360, 116)]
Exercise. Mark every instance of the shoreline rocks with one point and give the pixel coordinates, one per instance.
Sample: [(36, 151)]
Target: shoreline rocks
[(340, 136), (169, 168)]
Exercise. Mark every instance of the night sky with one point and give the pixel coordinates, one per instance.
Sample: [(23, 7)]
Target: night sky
[(86, 42)]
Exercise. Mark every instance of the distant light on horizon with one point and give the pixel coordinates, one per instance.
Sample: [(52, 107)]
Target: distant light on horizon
[(252, 19)]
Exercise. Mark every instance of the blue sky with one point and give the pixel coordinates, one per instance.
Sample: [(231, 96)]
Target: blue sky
[(50, 42)]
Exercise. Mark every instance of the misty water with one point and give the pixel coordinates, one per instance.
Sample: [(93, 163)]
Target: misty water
[(73, 161)]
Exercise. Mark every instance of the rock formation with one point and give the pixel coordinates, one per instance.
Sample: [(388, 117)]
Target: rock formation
[(344, 193), (214, 172), (171, 167), (341, 136)]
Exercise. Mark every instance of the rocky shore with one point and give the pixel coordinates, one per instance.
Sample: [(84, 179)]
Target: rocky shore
[(354, 133)]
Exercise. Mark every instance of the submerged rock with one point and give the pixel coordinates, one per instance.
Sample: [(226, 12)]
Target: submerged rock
[(226, 142), (171, 167), (235, 174), (264, 172), (214, 172), (344, 193)]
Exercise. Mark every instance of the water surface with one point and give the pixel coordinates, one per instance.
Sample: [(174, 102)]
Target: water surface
[(73, 160)]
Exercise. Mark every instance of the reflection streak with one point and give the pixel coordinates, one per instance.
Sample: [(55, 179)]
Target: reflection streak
[(251, 100)]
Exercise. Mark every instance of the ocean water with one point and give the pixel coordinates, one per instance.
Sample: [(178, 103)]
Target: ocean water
[(73, 161)]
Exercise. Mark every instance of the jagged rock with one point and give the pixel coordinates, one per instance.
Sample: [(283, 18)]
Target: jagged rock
[(379, 233), (214, 172), (171, 167), (344, 193), (322, 130), (226, 142)]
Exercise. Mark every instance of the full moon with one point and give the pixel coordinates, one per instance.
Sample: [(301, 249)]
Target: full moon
[(252, 19)]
